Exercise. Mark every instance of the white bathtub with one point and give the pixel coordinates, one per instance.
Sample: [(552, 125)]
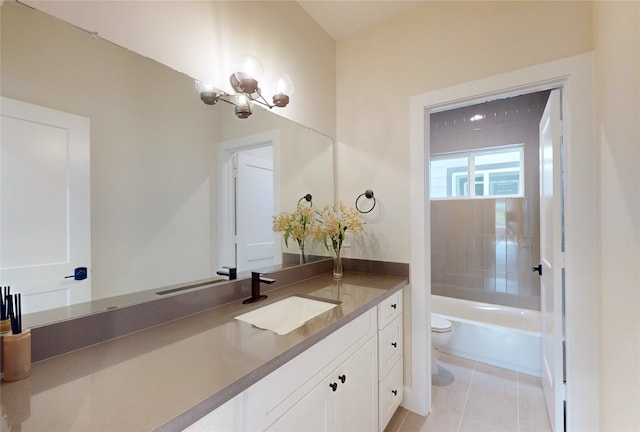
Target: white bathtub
[(499, 335)]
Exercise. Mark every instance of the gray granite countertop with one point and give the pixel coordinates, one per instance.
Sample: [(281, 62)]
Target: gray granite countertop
[(169, 376)]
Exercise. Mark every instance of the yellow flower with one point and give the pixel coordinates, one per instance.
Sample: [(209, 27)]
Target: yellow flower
[(334, 222), (297, 225)]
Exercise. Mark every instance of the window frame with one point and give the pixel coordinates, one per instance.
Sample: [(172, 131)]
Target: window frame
[(471, 172)]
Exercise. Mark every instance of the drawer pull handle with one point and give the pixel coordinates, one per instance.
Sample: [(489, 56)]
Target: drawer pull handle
[(395, 344), (334, 386), (394, 306), (342, 378), (395, 392)]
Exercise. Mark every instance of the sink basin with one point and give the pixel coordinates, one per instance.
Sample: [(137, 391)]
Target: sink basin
[(286, 315)]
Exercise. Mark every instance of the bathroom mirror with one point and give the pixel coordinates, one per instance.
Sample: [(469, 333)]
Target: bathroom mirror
[(158, 198)]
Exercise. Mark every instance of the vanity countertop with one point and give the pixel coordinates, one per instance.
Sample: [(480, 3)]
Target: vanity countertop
[(168, 376)]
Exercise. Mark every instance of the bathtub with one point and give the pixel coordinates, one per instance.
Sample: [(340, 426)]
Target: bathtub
[(499, 335)]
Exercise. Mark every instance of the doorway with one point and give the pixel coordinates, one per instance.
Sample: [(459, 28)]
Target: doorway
[(574, 76), (496, 192), (249, 199)]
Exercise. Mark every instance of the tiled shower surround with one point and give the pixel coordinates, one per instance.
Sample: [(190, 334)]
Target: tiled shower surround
[(482, 249)]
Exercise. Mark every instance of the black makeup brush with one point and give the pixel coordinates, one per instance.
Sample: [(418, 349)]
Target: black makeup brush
[(4, 311)]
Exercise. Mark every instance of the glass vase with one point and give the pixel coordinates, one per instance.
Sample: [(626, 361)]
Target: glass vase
[(337, 265), (303, 258)]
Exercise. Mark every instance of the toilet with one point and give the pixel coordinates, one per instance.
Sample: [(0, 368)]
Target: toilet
[(441, 331)]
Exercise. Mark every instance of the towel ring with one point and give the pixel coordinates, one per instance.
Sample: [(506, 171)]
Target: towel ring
[(369, 195), (307, 197)]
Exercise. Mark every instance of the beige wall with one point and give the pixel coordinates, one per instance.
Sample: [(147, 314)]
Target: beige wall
[(153, 175), (435, 46), (617, 47), (203, 39)]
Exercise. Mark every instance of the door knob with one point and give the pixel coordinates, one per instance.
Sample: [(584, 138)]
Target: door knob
[(79, 273), (538, 269)]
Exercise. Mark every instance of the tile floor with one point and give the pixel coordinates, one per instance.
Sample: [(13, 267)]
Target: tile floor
[(475, 397)]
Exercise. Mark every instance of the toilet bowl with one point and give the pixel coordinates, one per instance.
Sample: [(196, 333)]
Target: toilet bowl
[(441, 331)]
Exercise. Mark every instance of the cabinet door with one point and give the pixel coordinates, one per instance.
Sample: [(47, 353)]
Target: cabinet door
[(356, 400), (311, 414)]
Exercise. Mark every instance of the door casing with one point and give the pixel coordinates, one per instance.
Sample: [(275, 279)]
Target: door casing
[(575, 76)]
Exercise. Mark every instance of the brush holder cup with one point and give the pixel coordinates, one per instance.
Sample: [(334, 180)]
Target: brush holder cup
[(16, 356), (5, 325)]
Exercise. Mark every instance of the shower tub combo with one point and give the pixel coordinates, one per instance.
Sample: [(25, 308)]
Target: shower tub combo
[(499, 335)]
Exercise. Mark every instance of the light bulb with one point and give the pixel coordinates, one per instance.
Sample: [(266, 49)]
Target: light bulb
[(250, 66), (243, 108), (284, 89), (246, 75), (204, 86), (208, 93), (284, 85)]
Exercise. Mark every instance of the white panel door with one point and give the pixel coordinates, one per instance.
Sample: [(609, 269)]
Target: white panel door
[(551, 259), (254, 213), (44, 205)]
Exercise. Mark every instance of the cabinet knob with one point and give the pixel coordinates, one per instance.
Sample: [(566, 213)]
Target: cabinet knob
[(334, 386), (342, 378), (395, 392), (394, 306), (395, 344)]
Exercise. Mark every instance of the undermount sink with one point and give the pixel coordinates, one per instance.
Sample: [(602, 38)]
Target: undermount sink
[(288, 314)]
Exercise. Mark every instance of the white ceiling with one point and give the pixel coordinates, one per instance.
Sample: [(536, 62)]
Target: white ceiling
[(343, 18)]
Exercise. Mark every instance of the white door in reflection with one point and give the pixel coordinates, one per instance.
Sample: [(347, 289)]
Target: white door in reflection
[(249, 169), (44, 205), (552, 259), (254, 208)]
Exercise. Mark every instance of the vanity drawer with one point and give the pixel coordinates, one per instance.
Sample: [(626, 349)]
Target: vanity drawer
[(389, 346), (389, 309), (390, 393)]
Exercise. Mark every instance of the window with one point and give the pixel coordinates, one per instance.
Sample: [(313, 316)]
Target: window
[(493, 173)]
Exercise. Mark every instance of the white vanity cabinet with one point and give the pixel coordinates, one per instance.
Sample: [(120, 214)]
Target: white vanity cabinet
[(390, 378), (350, 381), (345, 400)]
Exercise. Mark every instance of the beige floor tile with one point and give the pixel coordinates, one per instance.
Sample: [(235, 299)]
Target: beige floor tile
[(493, 401), (476, 397), (397, 419), (533, 410), (475, 425), (439, 420)]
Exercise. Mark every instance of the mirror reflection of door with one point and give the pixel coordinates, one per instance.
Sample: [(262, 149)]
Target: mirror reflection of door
[(44, 205), (254, 208)]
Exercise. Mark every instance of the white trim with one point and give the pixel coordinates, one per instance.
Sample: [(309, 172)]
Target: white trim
[(575, 75), (226, 201)]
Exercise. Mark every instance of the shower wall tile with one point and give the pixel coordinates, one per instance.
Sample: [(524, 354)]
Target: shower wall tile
[(474, 252), (489, 216), (513, 287), (474, 217), (490, 252), (501, 252), (483, 249), (515, 215)]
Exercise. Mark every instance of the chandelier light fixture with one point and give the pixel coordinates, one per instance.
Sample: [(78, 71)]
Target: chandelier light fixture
[(245, 84)]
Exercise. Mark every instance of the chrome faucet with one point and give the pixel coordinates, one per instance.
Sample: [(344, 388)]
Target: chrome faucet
[(256, 279)]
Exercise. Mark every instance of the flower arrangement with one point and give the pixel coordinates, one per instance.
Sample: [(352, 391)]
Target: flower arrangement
[(333, 223), (297, 225)]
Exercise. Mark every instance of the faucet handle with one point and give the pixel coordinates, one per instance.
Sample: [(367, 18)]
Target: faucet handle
[(231, 272), (258, 276)]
